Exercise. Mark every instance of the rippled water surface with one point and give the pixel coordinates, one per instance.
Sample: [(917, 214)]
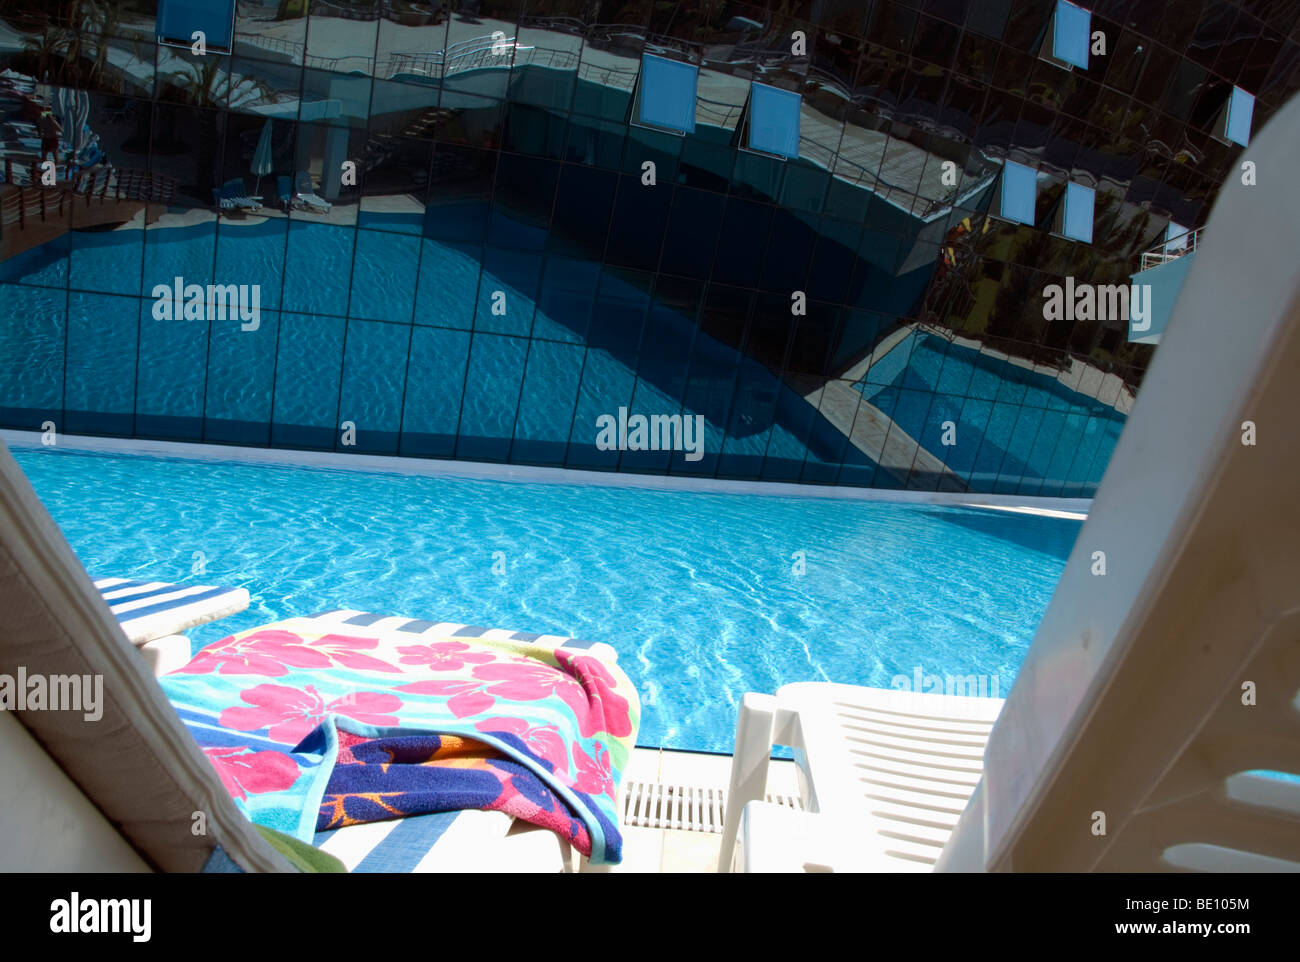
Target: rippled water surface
[(705, 596)]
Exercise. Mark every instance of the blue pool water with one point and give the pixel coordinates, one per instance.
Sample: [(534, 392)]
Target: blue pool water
[(699, 592)]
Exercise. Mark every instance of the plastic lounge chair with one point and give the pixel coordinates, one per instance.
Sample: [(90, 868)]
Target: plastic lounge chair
[(151, 609), (153, 615), (306, 193), (886, 774), (1154, 700), (119, 793), (231, 196)]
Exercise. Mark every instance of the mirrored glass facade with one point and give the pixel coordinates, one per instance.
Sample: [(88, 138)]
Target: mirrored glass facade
[(442, 230)]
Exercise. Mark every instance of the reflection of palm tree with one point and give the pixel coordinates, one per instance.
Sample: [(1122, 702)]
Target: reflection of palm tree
[(209, 84), (49, 45), (107, 18), (59, 50)]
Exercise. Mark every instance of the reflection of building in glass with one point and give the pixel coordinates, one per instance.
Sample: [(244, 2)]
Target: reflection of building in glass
[(840, 245)]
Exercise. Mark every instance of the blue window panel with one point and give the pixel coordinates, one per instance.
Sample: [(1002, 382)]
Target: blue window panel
[(448, 284), (170, 382), (1073, 34), (307, 375), (374, 377), (1241, 110), (774, 120), (384, 273), (668, 93), (178, 19), (1078, 212), (101, 358), (1176, 238), (431, 408), (1019, 187), (323, 254), (31, 349)]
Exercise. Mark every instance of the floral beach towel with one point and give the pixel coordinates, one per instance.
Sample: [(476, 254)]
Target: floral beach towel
[(313, 726)]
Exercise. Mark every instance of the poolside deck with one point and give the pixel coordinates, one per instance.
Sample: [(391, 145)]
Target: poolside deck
[(654, 775)]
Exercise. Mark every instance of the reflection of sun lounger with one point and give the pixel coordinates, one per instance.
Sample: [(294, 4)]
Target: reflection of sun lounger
[(306, 193), (231, 196)]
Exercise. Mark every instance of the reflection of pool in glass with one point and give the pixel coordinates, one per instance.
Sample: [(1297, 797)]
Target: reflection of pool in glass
[(705, 596), (335, 344), (1013, 426)]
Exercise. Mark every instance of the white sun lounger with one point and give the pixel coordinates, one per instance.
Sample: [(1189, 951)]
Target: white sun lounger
[(154, 615), (1153, 696), (305, 192), (885, 776), (148, 610)]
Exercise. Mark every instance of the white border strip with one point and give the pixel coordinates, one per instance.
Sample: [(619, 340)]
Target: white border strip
[(1076, 508)]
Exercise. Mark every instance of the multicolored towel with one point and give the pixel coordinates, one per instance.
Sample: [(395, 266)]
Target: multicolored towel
[(311, 727)]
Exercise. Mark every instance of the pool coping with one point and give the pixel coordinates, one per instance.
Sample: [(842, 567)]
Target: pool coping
[(1076, 508)]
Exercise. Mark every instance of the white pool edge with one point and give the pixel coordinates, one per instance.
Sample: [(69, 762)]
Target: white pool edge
[(1072, 508)]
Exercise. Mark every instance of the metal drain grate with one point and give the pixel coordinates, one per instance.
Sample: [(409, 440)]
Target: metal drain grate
[(689, 808)]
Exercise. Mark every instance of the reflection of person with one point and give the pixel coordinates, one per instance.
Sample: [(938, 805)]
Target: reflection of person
[(49, 128)]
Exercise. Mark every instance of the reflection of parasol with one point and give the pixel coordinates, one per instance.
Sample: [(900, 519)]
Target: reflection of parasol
[(80, 117), (73, 110), (262, 156)]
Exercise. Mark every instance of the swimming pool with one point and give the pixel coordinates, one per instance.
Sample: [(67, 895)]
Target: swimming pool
[(704, 595)]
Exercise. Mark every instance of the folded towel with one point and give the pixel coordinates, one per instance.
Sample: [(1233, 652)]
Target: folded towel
[(297, 717)]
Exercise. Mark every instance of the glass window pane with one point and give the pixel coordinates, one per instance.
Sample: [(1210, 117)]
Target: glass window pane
[(507, 294), (101, 363), (308, 368), (1019, 186), (185, 252), (546, 402), (1241, 110), (667, 93), (487, 417), (448, 284), (774, 120), (31, 352), (1073, 32), (107, 261), (179, 19), (245, 255), (568, 292), (434, 385), (1078, 212), (383, 276), (169, 392), (607, 385), (374, 375), (323, 254), (241, 376)]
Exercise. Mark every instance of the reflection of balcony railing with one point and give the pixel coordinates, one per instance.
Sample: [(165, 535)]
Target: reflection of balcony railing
[(502, 52), (1171, 249)]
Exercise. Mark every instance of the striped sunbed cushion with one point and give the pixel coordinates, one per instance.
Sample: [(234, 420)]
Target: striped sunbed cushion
[(346, 618), (462, 841), (148, 610)]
